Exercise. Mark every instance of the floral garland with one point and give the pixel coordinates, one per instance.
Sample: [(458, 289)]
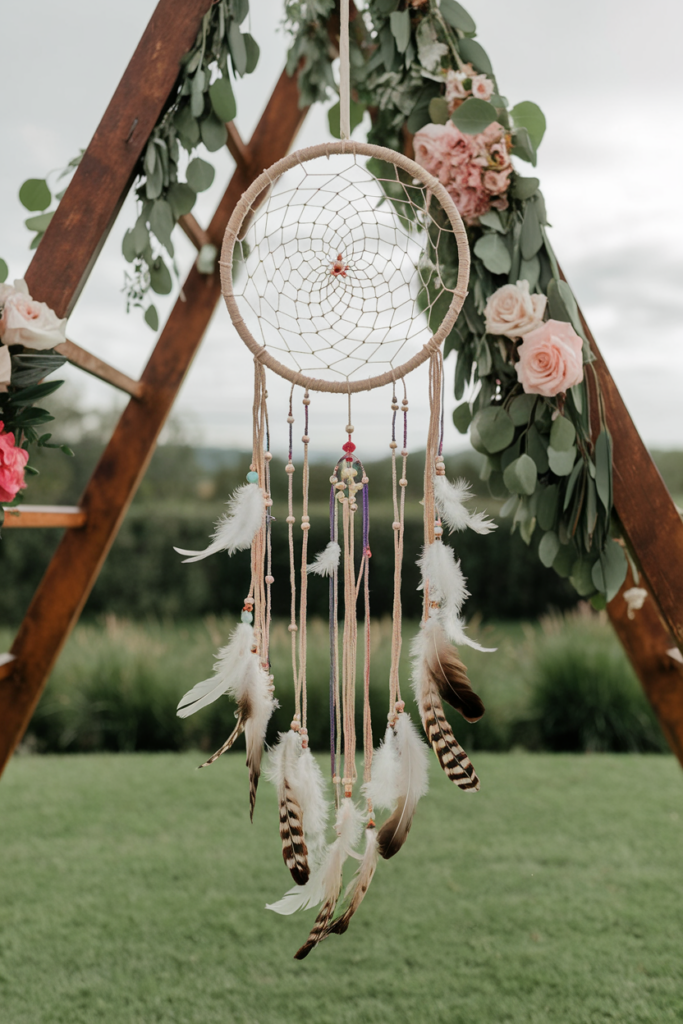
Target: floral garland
[(29, 330), (419, 70)]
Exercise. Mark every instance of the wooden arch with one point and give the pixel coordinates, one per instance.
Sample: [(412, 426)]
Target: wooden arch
[(72, 242)]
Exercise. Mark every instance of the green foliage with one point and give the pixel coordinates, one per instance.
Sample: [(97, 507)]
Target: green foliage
[(34, 194), (474, 115), (585, 695)]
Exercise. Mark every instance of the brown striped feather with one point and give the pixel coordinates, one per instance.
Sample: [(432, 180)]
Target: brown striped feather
[(452, 758), (235, 734), (294, 849), (361, 882), (320, 926), (449, 675)]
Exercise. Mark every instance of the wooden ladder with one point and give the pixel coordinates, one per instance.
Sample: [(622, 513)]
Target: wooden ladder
[(57, 275)]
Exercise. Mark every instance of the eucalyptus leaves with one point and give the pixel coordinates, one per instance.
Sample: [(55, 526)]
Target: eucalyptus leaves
[(417, 66), (203, 104)]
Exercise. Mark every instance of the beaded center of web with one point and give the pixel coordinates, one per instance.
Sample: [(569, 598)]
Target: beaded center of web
[(338, 272)]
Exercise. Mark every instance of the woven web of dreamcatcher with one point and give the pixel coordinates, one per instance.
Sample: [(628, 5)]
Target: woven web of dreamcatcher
[(336, 279)]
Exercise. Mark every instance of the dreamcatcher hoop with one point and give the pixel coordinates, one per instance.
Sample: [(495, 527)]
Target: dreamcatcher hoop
[(239, 222)]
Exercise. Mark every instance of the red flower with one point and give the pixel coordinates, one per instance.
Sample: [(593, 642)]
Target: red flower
[(12, 463)]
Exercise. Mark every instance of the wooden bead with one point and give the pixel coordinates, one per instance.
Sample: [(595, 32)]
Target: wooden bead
[(365, 479), (292, 627), (289, 468), (267, 456), (305, 400), (350, 428), (393, 444), (334, 480), (305, 526), (395, 526), (394, 406), (290, 519), (404, 453), (290, 419), (270, 580), (306, 439), (305, 519), (403, 482)]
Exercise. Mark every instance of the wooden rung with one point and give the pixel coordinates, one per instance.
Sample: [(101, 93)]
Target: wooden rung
[(98, 368), (194, 231), (238, 151), (6, 665), (31, 516)]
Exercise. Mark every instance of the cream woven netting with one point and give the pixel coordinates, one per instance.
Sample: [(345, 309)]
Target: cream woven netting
[(338, 272)]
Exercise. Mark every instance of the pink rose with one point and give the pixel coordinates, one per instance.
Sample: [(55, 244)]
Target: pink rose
[(455, 90), (550, 359), (12, 462), (482, 87), (513, 312), (30, 323), (496, 182)]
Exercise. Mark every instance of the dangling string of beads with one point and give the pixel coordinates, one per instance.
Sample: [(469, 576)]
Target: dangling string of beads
[(350, 641), (267, 456), (399, 534), (432, 525), (305, 527), (289, 470), (335, 712), (257, 474), (365, 573)]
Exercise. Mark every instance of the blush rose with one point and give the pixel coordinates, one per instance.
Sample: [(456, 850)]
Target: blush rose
[(12, 463), (5, 365), (27, 322), (550, 359), (513, 312)]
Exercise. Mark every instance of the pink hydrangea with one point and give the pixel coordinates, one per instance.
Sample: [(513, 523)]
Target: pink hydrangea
[(475, 169), (12, 463)]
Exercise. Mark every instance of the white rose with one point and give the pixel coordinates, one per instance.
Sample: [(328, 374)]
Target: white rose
[(482, 87), (6, 290), (30, 323), (5, 365), (511, 311)]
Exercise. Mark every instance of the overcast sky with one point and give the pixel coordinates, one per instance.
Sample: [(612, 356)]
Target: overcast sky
[(607, 75)]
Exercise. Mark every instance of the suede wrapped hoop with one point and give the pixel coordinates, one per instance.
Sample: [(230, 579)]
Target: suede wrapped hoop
[(239, 222)]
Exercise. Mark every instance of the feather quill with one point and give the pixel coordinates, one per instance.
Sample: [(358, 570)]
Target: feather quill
[(359, 883), (326, 561), (447, 587), (237, 527), (426, 686), (348, 827), (240, 674), (411, 784), (450, 501)]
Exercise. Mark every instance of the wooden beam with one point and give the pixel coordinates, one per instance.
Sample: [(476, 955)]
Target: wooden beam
[(648, 644), (194, 231), (73, 570), (85, 360), (33, 516), (94, 197), (238, 151)]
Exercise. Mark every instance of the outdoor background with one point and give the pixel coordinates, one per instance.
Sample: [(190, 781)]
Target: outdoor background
[(132, 886)]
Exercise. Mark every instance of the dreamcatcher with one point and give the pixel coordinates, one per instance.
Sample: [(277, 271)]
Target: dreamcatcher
[(341, 276)]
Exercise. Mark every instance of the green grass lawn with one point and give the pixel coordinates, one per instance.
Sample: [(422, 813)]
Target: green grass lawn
[(133, 888)]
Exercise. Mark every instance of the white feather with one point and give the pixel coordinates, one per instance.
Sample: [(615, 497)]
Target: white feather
[(310, 790), (232, 671), (237, 527), (413, 762), (288, 760), (325, 880), (450, 501), (382, 789), (326, 561), (448, 587)]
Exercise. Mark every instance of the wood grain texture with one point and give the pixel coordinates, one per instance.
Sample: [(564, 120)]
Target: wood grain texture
[(94, 197), (646, 640), (75, 565), (95, 366), (34, 516), (654, 531)]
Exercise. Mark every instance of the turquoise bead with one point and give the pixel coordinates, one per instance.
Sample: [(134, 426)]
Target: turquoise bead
[(247, 617), (252, 477)]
